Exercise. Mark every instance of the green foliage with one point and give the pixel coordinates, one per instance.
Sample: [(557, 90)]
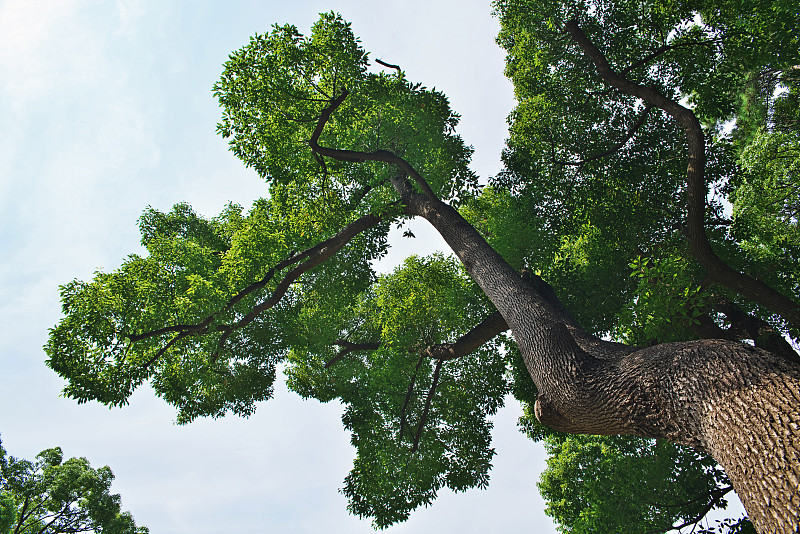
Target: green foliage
[(51, 495), (601, 204), (193, 269), (766, 208), (274, 89), (592, 199), (668, 302), (621, 484), (214, 305), (425, 301), (595, 206)]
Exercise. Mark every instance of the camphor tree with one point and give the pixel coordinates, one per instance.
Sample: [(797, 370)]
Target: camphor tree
[(55, 496), (597, 189)]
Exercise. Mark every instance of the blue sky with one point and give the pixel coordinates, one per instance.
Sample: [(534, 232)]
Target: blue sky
[(106, 108)]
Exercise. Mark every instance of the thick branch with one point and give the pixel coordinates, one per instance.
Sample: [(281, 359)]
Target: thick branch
[(721, 272), (358, 156), (747, 326), (22, 516), (486, 330)]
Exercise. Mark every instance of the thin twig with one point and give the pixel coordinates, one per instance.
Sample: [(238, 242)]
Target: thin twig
[(389, 65), (628, 135)]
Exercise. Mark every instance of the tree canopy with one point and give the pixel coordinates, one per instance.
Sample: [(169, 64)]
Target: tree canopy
[(51, 495), (595, 199)]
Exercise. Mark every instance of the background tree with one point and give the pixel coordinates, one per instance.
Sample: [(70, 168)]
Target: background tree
[(55, 496), (218, 303)]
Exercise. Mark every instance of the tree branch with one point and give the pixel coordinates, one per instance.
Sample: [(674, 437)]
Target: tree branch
[(748, 326), (711, 504), (316, 256), (313, 257), (638, 124), (356, 156), (424, 418), (409, 393), (389, 65), (487, 329), (720, 271), (348, 347), (171, 342)]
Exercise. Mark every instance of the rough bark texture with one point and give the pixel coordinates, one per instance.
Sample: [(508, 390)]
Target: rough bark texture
[(736, 402)]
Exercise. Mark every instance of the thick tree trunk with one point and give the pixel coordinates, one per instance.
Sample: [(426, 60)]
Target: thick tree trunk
[(736, 402)]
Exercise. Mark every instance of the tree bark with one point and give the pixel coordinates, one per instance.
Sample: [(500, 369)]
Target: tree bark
[(736, 402), (751, 288)]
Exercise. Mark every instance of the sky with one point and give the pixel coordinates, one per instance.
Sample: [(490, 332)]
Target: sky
[(105, 109)]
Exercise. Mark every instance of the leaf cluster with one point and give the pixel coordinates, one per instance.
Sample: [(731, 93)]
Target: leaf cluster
[(418, 424), (621, 484), (51, 495), (273, 92), (595, 182)]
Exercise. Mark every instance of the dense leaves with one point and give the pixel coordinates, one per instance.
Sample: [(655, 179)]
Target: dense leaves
[(418, 424), (274, 90), (621, 485), (598, 181), (213, 306), (593, 199), (55, 496)]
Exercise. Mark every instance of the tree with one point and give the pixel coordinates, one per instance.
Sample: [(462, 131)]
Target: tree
[(51, 495), (415, 356), (596, 195)]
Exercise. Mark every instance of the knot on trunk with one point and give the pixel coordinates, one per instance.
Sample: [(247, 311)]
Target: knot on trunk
[(547, 413)]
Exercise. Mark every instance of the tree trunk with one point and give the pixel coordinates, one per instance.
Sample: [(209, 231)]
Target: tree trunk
[(737, 403)]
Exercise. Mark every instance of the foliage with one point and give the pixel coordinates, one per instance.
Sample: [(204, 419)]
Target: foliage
[(598, 182), (593, 199), (423, 302), (604, 199), (620, 484), (51, 495), (274, 89), (212, 308)]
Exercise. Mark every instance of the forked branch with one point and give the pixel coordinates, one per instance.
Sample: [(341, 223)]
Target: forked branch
[(311, 257), (717, 269), (357, 156)]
